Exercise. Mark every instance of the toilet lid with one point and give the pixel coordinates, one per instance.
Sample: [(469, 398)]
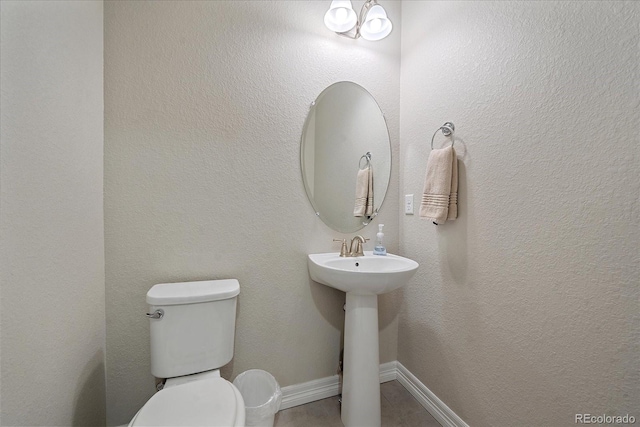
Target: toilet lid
[(210, 402)]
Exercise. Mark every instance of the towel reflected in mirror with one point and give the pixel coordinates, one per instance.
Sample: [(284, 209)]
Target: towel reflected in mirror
[(364, 192)]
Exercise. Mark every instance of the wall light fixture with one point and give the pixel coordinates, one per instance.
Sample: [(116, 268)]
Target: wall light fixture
[(371, 24)]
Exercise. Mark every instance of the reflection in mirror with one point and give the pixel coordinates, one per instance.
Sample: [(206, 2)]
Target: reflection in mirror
[(343, 125)]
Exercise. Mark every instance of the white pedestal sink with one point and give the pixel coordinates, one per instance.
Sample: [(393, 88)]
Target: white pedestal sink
[(363, 278)]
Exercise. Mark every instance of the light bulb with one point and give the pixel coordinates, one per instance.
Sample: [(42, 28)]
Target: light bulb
[(340, 17), (375, 25)]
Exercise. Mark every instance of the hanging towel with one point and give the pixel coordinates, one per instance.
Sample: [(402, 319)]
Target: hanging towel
[(364, 192), (440, 185), (453, 197)]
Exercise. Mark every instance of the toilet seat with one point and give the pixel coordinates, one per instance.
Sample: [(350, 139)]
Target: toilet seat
[(206, 402)]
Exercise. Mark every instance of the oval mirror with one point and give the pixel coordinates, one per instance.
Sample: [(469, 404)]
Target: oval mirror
[(345, 124)]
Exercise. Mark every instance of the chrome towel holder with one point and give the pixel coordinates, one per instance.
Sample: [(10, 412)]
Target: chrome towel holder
[(367, 158), (447, 130)]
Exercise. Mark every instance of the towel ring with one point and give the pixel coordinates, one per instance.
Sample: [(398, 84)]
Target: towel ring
[(367, 157), (447, 130)]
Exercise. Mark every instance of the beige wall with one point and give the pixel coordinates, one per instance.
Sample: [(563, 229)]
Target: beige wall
[(51, 220), (525, 309), (204, 108)]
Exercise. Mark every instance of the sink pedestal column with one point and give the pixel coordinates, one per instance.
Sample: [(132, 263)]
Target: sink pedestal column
[(361, 374)]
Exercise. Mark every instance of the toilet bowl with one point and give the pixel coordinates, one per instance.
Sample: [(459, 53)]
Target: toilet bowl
[(192, 335)]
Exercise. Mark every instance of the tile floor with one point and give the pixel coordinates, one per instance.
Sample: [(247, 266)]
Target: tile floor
[(399, 409)]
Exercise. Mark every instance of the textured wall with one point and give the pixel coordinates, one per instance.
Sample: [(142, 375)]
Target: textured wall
[(53, 325), (525, 309), (204, 108)]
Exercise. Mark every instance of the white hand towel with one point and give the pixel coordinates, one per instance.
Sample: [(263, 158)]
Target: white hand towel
[(364, 193), (438, 185)]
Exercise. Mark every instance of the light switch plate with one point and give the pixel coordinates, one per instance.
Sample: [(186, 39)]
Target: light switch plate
[(408, 204)]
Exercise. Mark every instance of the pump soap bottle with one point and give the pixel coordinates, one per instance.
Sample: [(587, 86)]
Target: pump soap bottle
[(379, 248)]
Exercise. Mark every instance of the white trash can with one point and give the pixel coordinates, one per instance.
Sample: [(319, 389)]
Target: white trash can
[(262, 396)]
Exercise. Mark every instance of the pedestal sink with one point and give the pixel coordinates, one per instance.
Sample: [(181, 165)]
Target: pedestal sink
[(363, 278)]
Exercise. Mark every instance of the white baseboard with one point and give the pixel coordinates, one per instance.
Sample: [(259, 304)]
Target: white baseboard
[(300, 394), (388, 371), (436, 407)]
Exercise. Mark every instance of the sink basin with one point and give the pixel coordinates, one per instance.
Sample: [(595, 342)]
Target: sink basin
[(364, 275)]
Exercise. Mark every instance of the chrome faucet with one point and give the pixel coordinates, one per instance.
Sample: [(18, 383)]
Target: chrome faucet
[(357, 251)]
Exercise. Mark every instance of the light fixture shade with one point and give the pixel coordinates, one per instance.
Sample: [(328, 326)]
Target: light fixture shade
[(340, 17), (376, 25)]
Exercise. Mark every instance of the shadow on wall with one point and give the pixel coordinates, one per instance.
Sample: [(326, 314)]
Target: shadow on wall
[(453, 241), (227, 371), (437, 370), (389, 307), (90, 405), (329, 303)]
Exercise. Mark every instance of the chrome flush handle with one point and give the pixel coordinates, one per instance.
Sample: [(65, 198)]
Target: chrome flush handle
[(156, 314)]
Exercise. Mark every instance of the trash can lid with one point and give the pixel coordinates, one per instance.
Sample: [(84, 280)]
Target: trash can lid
[(210, 402)]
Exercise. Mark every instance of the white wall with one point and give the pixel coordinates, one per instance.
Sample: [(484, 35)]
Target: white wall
[(525, 309), (51, 220), (204, 108)]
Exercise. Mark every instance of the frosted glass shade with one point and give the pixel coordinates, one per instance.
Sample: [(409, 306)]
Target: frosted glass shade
[(376, 25), (340, 17)]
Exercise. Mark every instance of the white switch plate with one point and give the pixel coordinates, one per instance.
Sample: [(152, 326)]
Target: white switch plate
[(408, 204)]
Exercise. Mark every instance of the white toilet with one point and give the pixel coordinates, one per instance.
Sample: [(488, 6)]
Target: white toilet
[(192, 335)]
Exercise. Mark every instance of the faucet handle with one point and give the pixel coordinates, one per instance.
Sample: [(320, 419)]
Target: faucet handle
[(343, 249)]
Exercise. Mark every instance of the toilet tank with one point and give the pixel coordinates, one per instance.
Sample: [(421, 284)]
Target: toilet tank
[(197, 327)]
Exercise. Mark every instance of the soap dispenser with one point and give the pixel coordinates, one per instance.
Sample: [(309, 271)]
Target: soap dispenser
[(379, 248)]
